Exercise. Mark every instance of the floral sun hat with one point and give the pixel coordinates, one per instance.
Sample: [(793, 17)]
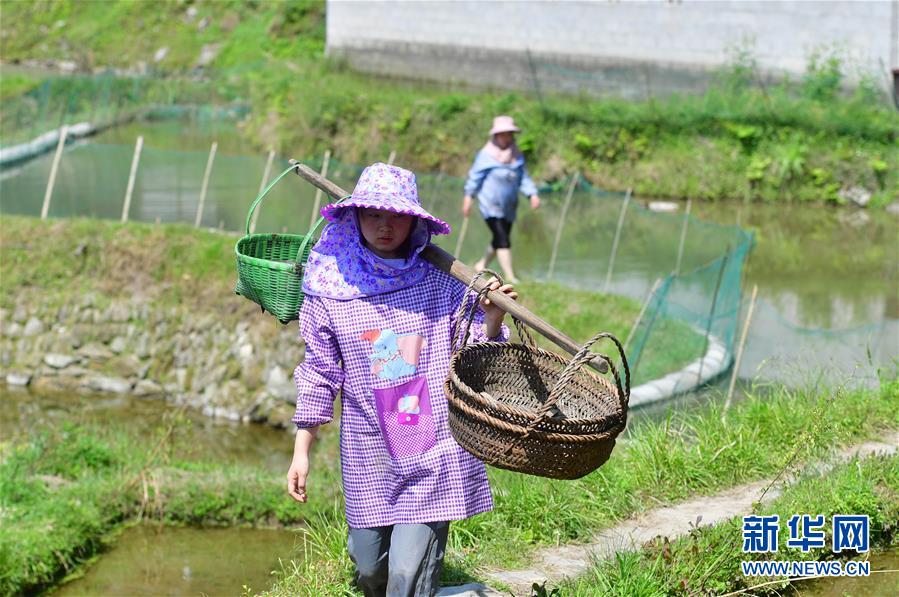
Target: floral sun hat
[(389, 188), (341, 267)]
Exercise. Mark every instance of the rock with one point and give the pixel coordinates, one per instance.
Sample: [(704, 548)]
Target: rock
[(53, 481), (190, 14), (142, 346), (59, 361), (245, 352), (204, 22), (893, 208), (858, 195), (128, 366), (147, 388), (15, 378), (95, 352), (75, 371), (114, 385), (160, 54), (67, 66), (208, 54), (117, 312), (279, 384), (13, 330), (34, 327), (20, 315), (57, 383), (663, 206), (118, 345)]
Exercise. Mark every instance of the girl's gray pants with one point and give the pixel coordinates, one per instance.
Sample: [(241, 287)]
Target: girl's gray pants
[(402, 560)]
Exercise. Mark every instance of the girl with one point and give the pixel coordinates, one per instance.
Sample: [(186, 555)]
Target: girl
[(377, 323), (496, 177)]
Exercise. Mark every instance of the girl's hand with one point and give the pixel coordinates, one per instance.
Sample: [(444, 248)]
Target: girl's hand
[(466, 205), (493, 315), (535, 201), (296, 477)]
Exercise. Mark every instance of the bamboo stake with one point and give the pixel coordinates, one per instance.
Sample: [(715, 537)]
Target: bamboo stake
[(205, 184), (458, 270), (318, 192), (708, 327), (627, 198), (45, 209), (265, 174), (739, 359), (683, 237), (552, 259), (461, 238), (391, 157), (639, 319), (126, 207)]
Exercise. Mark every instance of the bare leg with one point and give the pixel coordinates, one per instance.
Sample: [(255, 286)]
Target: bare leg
[(504, 256), (486, 260)]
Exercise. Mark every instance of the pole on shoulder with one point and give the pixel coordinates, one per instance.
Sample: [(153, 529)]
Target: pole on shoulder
[(458, 270)]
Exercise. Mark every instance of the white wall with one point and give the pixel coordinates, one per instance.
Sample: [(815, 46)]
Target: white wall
[(687, 34)]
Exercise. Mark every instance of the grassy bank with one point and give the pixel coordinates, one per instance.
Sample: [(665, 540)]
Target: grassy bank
[(708, 560), (802, 140), (85, 481), (63, 489), (178, 267), (656, 463)]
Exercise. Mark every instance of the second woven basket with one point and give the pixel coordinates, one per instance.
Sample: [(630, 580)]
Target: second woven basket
[(525, 409)]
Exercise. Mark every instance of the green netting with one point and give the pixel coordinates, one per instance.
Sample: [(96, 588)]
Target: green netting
[(110, 98), (92, 181)]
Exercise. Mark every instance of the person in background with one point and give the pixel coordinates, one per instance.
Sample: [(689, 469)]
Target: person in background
[(496, 177)]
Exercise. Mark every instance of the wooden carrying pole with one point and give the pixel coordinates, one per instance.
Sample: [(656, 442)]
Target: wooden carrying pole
[(265, 175), (458, 270), (45, 209), (739, 359), (205, 184), (126, 207), (552, 258)]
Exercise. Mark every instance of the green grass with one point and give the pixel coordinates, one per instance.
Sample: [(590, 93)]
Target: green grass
[(707, 561), (798, 140), (82, 482), (655, 463)]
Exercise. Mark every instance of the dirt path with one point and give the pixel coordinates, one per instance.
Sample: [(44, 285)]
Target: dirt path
[(568, 561)]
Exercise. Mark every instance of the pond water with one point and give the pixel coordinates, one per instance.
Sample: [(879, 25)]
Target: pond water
[(153, 560), (883, 581), (198, 438)]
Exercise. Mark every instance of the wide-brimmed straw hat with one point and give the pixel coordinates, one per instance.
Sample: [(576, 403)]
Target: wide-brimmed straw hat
[(504, 124), (389, 188)]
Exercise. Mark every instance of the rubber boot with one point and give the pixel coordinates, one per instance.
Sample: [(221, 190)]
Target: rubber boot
[(504, 256)]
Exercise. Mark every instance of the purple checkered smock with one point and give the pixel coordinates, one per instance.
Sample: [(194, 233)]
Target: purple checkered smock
[(389, 353)]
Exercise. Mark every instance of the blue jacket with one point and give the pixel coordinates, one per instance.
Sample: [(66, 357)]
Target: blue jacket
[(497, 185)]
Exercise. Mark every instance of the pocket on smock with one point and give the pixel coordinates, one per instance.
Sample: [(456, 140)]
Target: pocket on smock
[(405, 417)]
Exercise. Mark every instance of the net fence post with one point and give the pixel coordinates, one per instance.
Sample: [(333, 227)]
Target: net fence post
[(205, 186), (126, 207)]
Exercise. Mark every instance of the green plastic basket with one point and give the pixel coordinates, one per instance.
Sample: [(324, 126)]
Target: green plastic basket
[(270, 266)]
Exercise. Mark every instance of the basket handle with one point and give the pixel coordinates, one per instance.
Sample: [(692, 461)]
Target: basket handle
[(469, 308), (264, 193), (584, 355)]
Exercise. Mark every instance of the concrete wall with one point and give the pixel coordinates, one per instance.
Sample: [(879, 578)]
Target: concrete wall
[(627, 46)]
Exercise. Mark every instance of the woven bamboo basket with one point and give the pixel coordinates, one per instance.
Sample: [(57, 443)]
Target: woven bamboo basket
[(270, 266), (519, 407)]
